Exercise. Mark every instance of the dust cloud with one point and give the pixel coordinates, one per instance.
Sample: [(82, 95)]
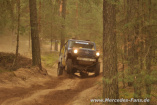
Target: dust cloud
[(8, 44)]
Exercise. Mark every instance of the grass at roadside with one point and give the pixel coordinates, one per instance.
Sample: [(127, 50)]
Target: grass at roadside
[(49, 59), (3, 70)]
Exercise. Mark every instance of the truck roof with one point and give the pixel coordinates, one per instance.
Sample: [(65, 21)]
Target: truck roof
[(81, 40)]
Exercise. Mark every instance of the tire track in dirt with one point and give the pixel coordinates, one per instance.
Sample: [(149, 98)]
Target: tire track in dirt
[(64, 96), (7, 94), (57, 91), (60, 90)]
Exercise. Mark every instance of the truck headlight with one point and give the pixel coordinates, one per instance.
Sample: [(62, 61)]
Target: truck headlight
[(97, 54), (75, 51)]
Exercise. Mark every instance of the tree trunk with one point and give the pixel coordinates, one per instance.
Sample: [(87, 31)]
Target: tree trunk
[(130, 42), (110, 89), (76, 21), (123, 74), (29, 41), (149, 46), (36, 59), (52, 8), (51, 45), (18, 32), (39, 20), (124, 56), (63, 23), (12, 21), (56, 45), (137, 69)]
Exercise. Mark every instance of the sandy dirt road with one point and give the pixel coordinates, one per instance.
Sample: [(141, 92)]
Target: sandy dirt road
[(55, 90), (28, 87)]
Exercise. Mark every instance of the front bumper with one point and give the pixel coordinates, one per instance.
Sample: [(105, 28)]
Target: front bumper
[(86, 59), (87, 68)]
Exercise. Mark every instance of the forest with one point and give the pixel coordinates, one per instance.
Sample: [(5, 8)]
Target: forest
[(32, 33)]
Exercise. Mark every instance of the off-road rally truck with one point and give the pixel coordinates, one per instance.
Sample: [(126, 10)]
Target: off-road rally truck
[(79, 56)]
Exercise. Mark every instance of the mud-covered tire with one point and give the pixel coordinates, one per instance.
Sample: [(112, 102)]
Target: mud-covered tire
[(97, 69), (69, 66), (59, 70)]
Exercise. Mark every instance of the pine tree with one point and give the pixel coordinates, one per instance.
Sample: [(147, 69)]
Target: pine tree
[(36, 58), (18, 32), (63, 12), (110, 89)]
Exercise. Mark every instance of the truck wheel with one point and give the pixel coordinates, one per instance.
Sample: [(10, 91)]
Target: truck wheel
[(59, 70), (97, 69), (69, 66)]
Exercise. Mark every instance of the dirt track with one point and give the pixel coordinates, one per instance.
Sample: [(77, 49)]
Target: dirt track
[(53, 91), (30, 87)]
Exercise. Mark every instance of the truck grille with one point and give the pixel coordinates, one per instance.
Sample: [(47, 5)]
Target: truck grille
[(86, 53)]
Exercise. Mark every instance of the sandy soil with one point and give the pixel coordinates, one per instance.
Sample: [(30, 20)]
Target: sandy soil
[(32, 87)]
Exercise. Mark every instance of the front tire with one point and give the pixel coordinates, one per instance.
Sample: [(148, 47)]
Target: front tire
[(97, 69), (69, 66), (59, 70)]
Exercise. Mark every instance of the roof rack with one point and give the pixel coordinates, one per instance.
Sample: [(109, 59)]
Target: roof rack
[(87, 40), (73, 38)]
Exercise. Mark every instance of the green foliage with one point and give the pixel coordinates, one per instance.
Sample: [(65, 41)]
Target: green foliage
[(86, 23), (136, 30), (126, 93), (83, 19)]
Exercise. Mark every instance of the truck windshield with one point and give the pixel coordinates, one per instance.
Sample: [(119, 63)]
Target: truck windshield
[(81, 44)]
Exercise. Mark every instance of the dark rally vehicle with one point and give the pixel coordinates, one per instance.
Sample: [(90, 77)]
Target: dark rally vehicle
[(79, 56)]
